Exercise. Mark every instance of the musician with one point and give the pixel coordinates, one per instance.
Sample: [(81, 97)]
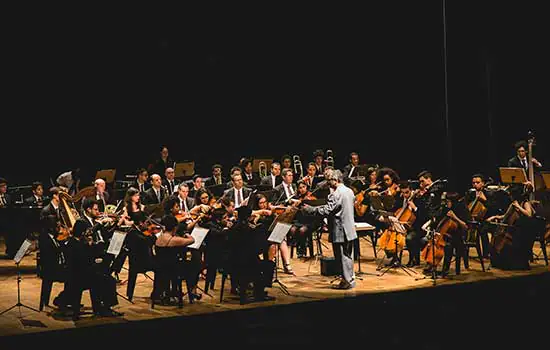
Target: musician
[(479, 192), (88, 264), (234, 170), (170, 182), (163, 162), (37, 199), (52, 210), (237, 193), (167, 253), (303, 225), (197, 184), (274, 178), (249, 177), (217, 178), (318, 158), (100, 195), (286, 191), (263, 218), (141, 182), (70, 180), (311, 179), (186, 203), (520, 159), (351, 169), (157, 193), (339, 209), (246, 267), (430, 194), (516, 256), (414, 233), (5, 198)]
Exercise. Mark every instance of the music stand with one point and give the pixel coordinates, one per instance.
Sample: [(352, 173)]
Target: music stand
[(362, 226), (279, 229), (546, 179), (512, 175), (184, 169), (107, 174), (17, 259)]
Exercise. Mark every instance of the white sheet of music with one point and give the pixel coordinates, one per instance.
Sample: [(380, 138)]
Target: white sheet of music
[(198, 234), (22, 250), (279, 232), (116, 243), (398, 226), (363, 226)]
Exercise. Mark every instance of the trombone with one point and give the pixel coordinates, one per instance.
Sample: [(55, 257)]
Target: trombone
[(262, 169), (329, 161), (298, 165)]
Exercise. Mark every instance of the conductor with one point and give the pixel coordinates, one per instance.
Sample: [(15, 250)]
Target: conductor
[(339, 209)]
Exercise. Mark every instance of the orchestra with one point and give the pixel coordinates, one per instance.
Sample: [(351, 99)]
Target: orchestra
[(239, 214)]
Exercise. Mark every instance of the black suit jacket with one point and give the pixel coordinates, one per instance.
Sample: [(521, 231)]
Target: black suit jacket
[(211, 182), (514, 162), (151, 197), (146, 186), (101, 204), (230, 193), (255, 180), (279, 195), (171, 189), (266, 180), (31, 201), (52, 258), (190, 202), (7, 197)]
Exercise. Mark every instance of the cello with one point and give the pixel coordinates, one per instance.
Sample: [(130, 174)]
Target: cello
[(388, 238), (434, 251)]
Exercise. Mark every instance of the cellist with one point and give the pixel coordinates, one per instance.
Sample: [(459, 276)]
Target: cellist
[(477, 201)]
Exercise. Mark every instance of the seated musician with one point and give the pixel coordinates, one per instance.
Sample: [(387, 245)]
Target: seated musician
[(217, 178), (5, 198), (303, 225), (385, 198), (197, 185), (88, 264), (479, 193), (234, 171), (520, 216), (273, 179), (186, 203), (170, 182), (286, 161), (168, 252), (37, 199), (285, 193), (245, 264), (157, 193), (100, 195), (142, 183), (250, 178), (414, 234), (318, 160), (237, 192), (457, 211), (311, 179), (351, 170)]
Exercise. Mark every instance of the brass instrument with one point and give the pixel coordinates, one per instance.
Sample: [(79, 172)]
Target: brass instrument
[(262, 169), (298, 165), (330, 158)]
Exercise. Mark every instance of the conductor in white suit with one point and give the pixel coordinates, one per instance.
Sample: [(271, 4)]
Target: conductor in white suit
[(339, 210)]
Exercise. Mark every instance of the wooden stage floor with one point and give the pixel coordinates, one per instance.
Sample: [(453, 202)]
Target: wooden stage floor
[(308, 285)]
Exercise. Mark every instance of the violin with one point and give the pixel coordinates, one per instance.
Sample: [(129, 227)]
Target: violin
[(63, 232)]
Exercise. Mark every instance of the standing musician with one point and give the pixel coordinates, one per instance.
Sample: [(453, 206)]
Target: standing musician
[(520, 159), (250, 178), (273, 179), (88, 264), (170, 182), (157, 193), (163, 162), (339, 209), (37, 199)]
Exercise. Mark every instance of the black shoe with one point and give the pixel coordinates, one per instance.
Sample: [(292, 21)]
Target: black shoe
[(109, 313)]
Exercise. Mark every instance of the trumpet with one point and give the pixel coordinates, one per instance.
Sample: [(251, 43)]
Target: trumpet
[(262, 169), (330, 158), (298, 165)]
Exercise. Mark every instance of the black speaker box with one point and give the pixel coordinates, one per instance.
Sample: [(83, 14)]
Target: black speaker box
[(330, 267)]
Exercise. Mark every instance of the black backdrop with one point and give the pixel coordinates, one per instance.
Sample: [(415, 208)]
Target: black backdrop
[(218, 84)]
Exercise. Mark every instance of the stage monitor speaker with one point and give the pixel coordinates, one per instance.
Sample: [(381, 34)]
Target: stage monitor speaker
[(330, 267)]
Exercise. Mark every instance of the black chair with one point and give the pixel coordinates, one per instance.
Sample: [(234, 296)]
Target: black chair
[(473, 240), (539, 227), (169, 273)]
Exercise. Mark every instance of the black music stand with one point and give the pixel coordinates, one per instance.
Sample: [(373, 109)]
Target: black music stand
[(398, 228), (17, 259)]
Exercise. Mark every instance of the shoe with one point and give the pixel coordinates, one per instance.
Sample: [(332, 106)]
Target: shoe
[(109, 313), (288, 270), (344, 285), (263, 297)]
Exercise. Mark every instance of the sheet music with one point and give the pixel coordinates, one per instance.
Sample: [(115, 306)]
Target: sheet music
[(363, 226), (22, 250), (198, 234), (116, 243), (279, 232), (397, 226)]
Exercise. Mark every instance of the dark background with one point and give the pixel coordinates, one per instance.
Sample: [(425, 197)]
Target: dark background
[(106, 90)]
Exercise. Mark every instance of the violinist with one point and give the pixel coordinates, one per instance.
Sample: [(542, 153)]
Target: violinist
[(100, 194), (429, 194), (185, 202), (458, 212), (157, 193), (303, 225), (88, 264), (286, 191), (518, 216), (237, 192), (389, 179)]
